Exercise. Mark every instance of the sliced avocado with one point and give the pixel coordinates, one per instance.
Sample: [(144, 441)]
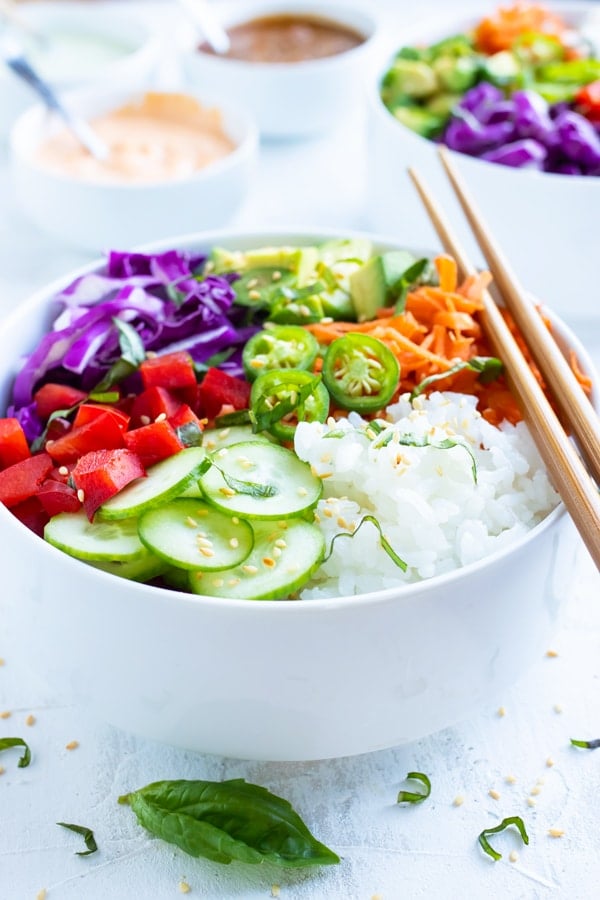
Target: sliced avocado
[(222, 260), (260, 286), (408, 78), (501, 68), (371, 286), (300, 260), (443, 104), (345, 249), (420, 120), (338, 260), (456, 73)]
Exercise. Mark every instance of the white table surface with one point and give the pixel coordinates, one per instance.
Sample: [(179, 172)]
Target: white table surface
[(387, 851)]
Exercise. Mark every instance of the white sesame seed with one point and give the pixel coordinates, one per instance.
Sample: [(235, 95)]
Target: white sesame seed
[(555, 832), (252, 283), (552, 654), (227, 492), (501, 712), (513, 856), (557, 708), (549, 762), (254, 295), (30, 720), (72, 745), (218, 582), (535, 791), (458, 801), (495, 795), (63, 470), (5, 714), (80, 495), (233, 581), (280, 543), (145, 420), (530, 801), (161, 417), (233, 542), (184, 887), (510, 779), (191, 522), (250, 570), (235, 520), (276, 276), (206, 551)]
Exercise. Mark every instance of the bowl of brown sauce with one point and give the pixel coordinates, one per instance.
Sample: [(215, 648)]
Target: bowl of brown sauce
[(297, 69)]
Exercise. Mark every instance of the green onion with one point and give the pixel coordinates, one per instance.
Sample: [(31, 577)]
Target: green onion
[(517, 821), (7, 742), (88, 836), (587, 745), (415, 797)]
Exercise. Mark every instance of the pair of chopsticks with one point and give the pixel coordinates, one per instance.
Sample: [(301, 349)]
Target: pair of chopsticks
[(573, 481)]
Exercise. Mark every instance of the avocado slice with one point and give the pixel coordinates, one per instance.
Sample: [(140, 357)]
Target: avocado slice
[(299, 260), (371, 286)]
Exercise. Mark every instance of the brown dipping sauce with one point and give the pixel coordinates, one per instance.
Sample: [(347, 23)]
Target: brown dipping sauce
[(288, 39)]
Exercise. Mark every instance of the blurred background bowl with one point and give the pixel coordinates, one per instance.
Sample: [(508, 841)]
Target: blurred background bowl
[(295, 99), (546, 223)]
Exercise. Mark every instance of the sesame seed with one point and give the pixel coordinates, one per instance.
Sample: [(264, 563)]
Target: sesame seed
[(530, 801), (280, 543), (328, 512), (276, 276), (269, 562), (276, 552), (551, 653), (6, 714), (326, 458), (72, 745), (204, 542), (227, 492), (49, 443), (145, 420), (218, 582), (258, 363), (555, 832), (80, 495), (184, 887), (41, 895), (458, 801), (494, 794), (63, 470), (549, 762), (342, 522), (2, 661), (191, 522), (557, 708), (2, 770), (254, 295), (535, 791), (222, 452), (233, 542), (233, 581), (235, 520), (30, 720), (202, 512), (510, 779), (513, 856), (540, 781), (161, 417), (206, 551), (210, 444), (501, 712), (249, 570)]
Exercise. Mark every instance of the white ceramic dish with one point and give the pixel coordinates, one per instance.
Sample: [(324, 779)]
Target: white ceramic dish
[(289, 99), (547, 224), (96, 215), (277, 680), (101, 22)]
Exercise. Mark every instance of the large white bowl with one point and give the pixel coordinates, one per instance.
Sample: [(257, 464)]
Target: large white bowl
[(291, 99), (97, 215), (282, 680), (547, 224), (102, 21)]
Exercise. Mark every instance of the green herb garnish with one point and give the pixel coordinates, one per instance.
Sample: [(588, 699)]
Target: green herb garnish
[(88, 836), (385, 544), (104, 396), (7, 742), (271, 408), (227, 821), (238, 417), (214, 361), (412, 796), (517, 821), (252, 488), (587, 745), (133, 354), (409, 278), (488, 367), (411, 440)]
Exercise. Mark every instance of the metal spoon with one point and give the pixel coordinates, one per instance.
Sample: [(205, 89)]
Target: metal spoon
[(15, 59), (204, 16)]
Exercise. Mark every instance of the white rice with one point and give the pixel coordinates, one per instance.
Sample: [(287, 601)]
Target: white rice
[(433, 512)]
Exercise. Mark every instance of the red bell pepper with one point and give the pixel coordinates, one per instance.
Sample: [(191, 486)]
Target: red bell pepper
[(103, 473), (173, 371), (185, 415), (52, 397), (32, 514), (87, 412), (588, 101), (22, 480), (153, 442), (101, 433), (13, 443), (220, 389), (57, 497), (150, 404)]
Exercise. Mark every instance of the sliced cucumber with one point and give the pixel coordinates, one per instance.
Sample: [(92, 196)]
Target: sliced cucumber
[(260, 480), (163, 482), (190, 534), (284, 556), (215, 438), (109, 541), (141, 569)]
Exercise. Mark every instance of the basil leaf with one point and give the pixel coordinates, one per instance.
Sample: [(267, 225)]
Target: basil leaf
[(517, 821), (104, 397), (488, 367), (7, 742), (407, 280), (133, 354), (39, 442), (88, 836), (412, 797), (587, 745), (239, 417), (213, 362), (411, 440), (385, 544), (252, 488), (226, 821)]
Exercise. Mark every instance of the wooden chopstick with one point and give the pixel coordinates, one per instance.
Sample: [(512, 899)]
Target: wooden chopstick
[(567, 472), (570, 399)]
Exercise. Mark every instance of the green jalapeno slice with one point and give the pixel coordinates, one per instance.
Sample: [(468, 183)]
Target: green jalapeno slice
[(283, 397), (360, 372), (279, 347)]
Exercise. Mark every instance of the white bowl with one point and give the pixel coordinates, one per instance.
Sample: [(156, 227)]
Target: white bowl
[(97, 215), (99, 22), (283, 680), (547, 224), (290, 99)]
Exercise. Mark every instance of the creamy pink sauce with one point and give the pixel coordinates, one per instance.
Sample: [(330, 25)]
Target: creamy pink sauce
[(163, 137)]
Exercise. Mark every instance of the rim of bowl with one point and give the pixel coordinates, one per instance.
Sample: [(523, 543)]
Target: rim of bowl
[(290, 235), (235, 12), (233, 118), (445, 26)]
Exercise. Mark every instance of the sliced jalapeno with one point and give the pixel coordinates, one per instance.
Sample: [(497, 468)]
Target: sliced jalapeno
[(283, 397), (279, 347), (360, 372)]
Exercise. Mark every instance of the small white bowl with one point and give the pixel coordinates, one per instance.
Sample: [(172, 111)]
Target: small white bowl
[(547, 224), (296, 99), (92, 22), (285, 680), (96, 215)]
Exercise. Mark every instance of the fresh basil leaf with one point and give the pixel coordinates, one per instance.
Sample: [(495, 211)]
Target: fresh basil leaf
[(213, 362), (226, 821), (239, 417), (105, 397), (88, 837), (385, 544), (587, 745), (7, 742), (337, 434), (133, 354), (489, 368), (407, 280), (411, 440), (189, 434), (39, 442), (252, 488), (517, 821), (415, 797)]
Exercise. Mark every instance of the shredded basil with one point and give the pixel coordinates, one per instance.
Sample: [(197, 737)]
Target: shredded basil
[(411, 440), (214, 361), (133, 354), (39, 442), (385, 544), (239, 417), (337, 434), (104, 397), (489, 368), (7, 742), (412, 796), (517, 821), (227, 821), (88, 837), (587, 745), (407, 280), (252, 488)]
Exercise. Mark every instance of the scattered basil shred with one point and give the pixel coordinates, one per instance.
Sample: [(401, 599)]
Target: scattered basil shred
[(517, 821), (587, 745), (227, 821), (489, 368), (409, 278), (413, 796), (252, 488), (39, 442), (411, 440), (133, 354), (385, 544), (7, 742), (238, 417), (88, 837)]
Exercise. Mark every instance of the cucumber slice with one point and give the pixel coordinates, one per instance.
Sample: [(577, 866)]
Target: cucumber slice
[(215, 438), (164, 481), (262, 481), (284, 556), (190, 534), (141, 569), (109, 541)]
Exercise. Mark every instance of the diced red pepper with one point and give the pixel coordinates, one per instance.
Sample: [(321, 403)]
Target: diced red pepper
[(172, 371), (150, 404), (220, 389), (153, 442), (185, 415), (101, 433), (103, 473), (32, 514), (13, 443), (57, 497), (87, 412), (22, 480), (52, 397), (61, 473)]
